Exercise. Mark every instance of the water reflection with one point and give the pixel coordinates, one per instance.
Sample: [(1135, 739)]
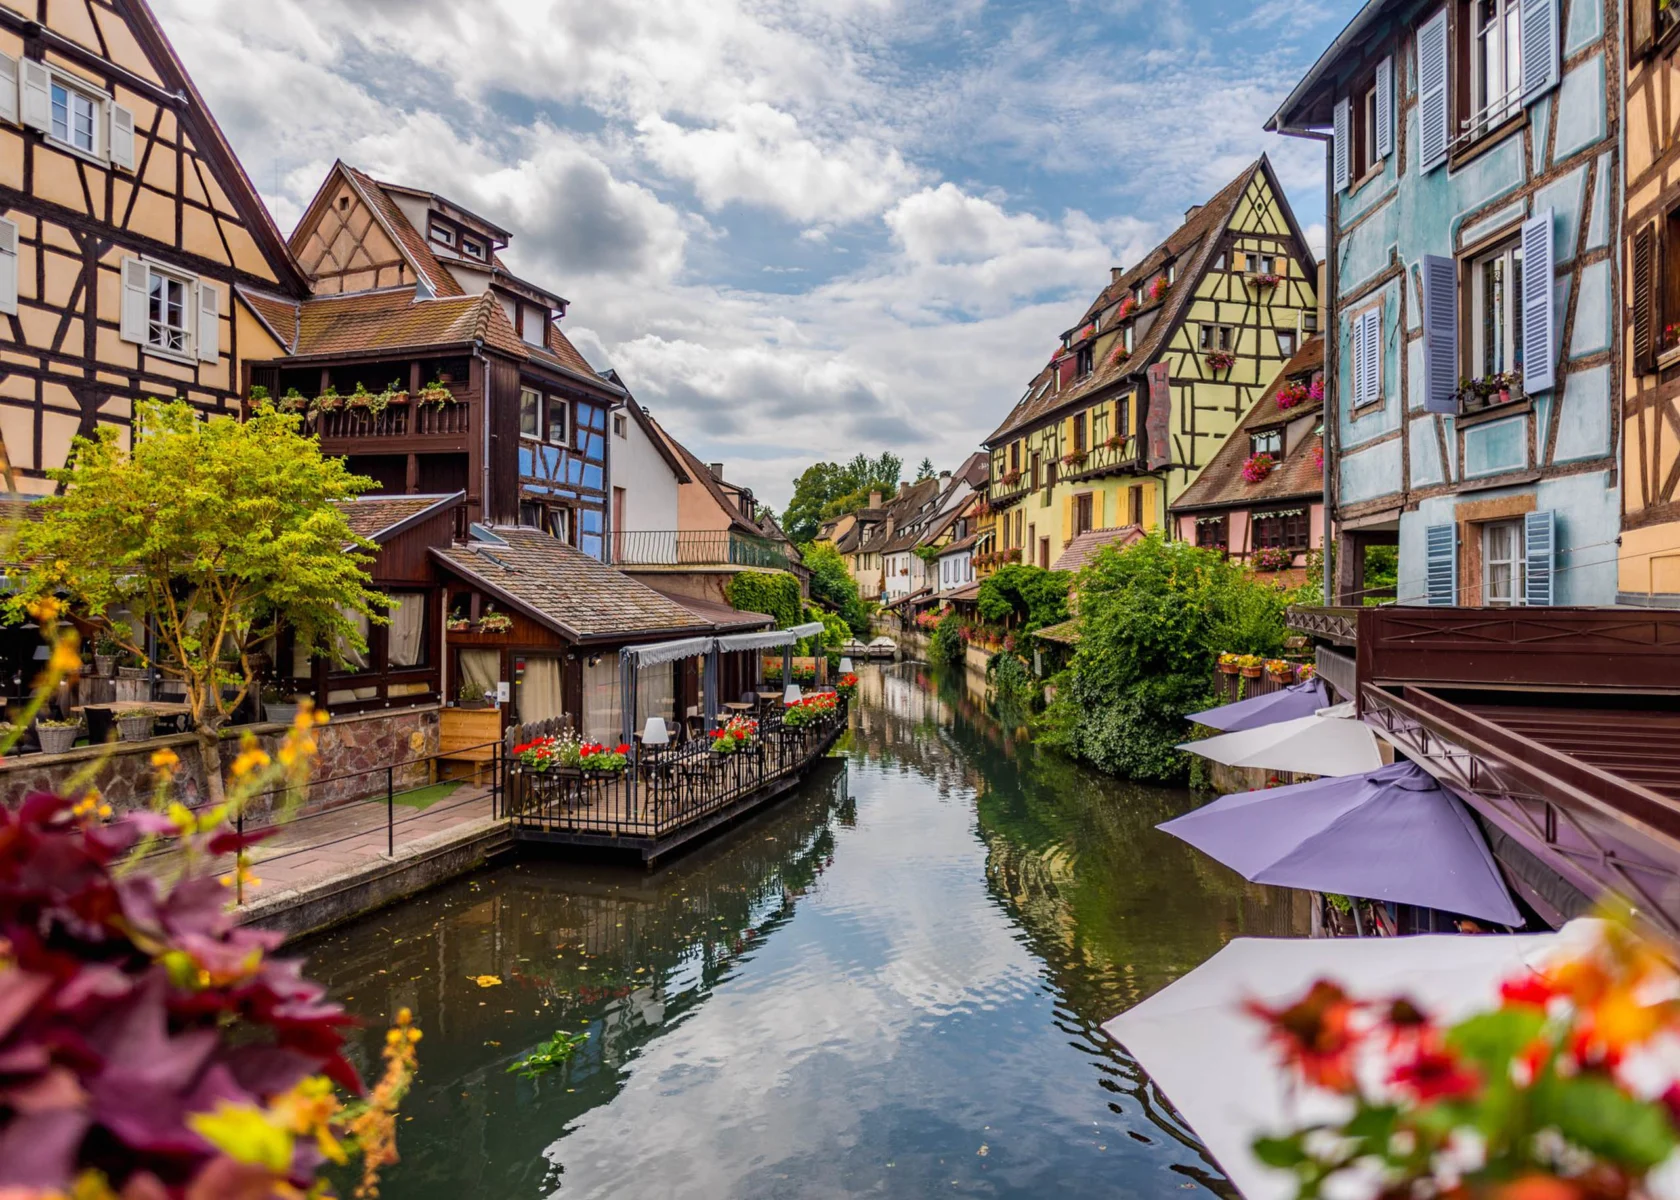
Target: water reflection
[(890, 985)]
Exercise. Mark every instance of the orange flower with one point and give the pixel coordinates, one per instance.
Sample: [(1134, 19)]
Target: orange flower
[(1315, 1035)]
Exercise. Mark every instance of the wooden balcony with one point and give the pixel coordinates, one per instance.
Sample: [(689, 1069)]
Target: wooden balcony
[(397, 429)]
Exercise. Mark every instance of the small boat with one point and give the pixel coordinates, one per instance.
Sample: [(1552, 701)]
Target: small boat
[(883, 647), (855, 649)]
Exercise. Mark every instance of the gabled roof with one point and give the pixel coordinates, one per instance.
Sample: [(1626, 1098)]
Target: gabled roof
[(958, 546), (1297, 477), (411, 243), (1193, 246), (903, 509), (379, 518), (1307, 106), (702, 475), (644, 421), (1084, 546), (399, 319), (563, 588)]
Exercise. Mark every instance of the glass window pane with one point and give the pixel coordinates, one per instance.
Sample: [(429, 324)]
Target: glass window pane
[(530, 407), (557, 419)]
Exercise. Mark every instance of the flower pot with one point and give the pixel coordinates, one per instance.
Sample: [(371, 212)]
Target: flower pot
[(56, 741), (1253, 672), (285, 713), (131, 672), (136, 727), (1228, 668), (105, 664), (1504, 395)]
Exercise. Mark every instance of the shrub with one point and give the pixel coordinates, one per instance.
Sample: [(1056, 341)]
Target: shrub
[(1023, 596), (833, 587), (773, 592), (949, 642)]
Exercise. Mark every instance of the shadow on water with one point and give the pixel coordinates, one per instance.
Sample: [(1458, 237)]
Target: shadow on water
[(891, 984)]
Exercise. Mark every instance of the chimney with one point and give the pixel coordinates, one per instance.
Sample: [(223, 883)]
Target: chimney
[(903, 486), (944, 474), (1114, 274), (1192, 211), (716, 470), (875, 498)]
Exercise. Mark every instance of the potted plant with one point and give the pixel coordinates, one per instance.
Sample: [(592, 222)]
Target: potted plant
[(1075, 458), (1221, 360), (396, 396), (472, 695), (293, 401), (1114, 442), (328, 401), (361, 400), (106, 651), (1128, 306), (56, 737), (1280, 670), (495, 622), (1158, 287), (1292, 393), (1305, 672), (1273, 558), (135, 724), (1265, 279), (1258, 467), (848, 686), (457, 624), (1250, 666), (1119, 354), (735, 735), (275, 705), (436, 394), (1229, 664), (595, 757)]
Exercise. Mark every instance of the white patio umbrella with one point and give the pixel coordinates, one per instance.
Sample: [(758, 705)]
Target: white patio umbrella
[(1322, 744), (1211, 1059)]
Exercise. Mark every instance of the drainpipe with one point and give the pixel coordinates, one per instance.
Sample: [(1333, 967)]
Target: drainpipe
[(484, 514)]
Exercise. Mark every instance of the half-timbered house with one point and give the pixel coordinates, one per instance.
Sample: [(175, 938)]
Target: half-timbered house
[(1472, 375), (128, 233), (1142, 393)]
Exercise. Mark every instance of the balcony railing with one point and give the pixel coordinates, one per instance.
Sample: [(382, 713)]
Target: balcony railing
[(396, 421), (696, 548)]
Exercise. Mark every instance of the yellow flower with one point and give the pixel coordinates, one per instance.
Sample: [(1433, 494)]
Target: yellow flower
[(248, 761), (165, 760), (65, 660), (46, 610)]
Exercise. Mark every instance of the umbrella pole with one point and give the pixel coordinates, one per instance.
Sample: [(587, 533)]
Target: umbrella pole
[(1358, 925)]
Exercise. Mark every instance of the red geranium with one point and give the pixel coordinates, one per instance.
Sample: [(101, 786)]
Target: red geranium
[(1316, 1034)]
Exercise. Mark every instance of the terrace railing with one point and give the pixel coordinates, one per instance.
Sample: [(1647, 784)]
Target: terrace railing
[(410, 420), (696, 548), (667, 789)]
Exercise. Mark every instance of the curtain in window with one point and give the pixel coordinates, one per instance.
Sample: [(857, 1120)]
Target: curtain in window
[(539, 691), (407, 631), (602, 705), (354, 659), (483, 667), (656, 694)]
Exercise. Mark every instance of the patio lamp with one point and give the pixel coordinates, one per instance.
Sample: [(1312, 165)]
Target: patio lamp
[(793, 695), (654, 732), (845, 666)]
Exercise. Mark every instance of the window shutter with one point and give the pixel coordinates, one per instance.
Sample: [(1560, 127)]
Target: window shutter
[(8, 267), (1539, 48), (1434, 134), (1644, 323), (1340, 144), (1440, 334), (1642, 27), (136, 300), (1539, 372), (122, 137), (35, 94), (1441, 564), (209, 322), (1540, 551), (1385, 107), (1373, 355), (8, 88)]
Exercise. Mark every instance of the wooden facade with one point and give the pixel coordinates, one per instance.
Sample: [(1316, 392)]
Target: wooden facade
[(128, 232), (1164, 364)]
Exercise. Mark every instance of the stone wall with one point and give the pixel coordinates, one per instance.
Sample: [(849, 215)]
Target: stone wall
[(354, 752)]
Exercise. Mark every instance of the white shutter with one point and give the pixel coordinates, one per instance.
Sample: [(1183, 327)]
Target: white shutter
[(1440, 334), (8, 88), (1373, 356), (1385, 107), (136, 300), (1341, 139), (35, 94), (122, 138), (1540, 555), (209, 322), (1440, 544), (1539, 35), (1434, 134), (8, 267), (1539, 372)]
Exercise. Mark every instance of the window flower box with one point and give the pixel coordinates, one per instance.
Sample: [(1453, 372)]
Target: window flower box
[(1074, 459), (495, 622), (1128, 306), (1265, 279), (1158, 287), (1273, 558), (1292, 394), (1221, 360), (1258, 467), (1479, 395), (327, 401), (294, 402), (436, 394)]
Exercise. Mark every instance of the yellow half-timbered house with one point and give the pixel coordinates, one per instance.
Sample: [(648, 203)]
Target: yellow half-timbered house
[(1141, 394), (128, 231)]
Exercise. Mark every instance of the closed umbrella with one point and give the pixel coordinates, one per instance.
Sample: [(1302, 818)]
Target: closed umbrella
[(1297, 700), (1320, 744), (1394, 834)]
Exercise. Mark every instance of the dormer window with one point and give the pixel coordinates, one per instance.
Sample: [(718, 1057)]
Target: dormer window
[(443, 235), (533, 325), (472, 249)]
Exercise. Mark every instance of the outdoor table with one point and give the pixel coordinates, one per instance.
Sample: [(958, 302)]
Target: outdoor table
[(738, 707), (173, 713)]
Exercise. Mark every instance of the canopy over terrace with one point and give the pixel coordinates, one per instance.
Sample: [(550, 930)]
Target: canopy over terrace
[(634, 659)]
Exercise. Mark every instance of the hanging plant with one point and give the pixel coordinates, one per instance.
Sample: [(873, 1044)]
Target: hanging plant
[(1258, 467), (1291, 394), (1128, 306), (495, 622), (436, 394), (293, 401), (1119, 354), (1221, 360), (327, 401), (1158, 287)]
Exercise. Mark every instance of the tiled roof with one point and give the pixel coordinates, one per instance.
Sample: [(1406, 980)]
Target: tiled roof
[(395, 319), (1298, 476), (903, 508), (957, 547), (701, 474), (1084, 546), (1191, 246), (371, 516), (564, 588), (276, 312), (409, 239), (561, 347), (1067, 633), (966, 594), (723, 618)]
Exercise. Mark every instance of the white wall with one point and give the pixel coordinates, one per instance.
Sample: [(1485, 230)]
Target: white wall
[(650, 487)]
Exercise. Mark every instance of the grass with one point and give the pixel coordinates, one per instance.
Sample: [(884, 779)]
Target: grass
[(424, 798)]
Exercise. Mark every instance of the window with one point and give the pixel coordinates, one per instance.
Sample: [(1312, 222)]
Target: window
[(1365, 157), (530, 413), (1217, 337), (1037, 466), (621, 425), (1266, 441), (1262, 264), (1283, 530), (1504, 570), (8, 266), (1219, 263), (557, 406), (1286, 342), (443, 235), (530, 514), (1494, 54), (74, 118), (472, 249), (560, 524), (1213, 532), (1079, 446), (1082, 514), (1084, 360), (1496, 313), (533, 325), (1134, 505), (170, 312), (1099, 425), (166, 313), (1309, 323), (1015, 456)]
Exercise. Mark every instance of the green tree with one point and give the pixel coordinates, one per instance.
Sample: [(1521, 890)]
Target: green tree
[(216, 534), (1024, 597), (833, 587), (1153, 619), (948, 645), (827, 490), (926, 470)]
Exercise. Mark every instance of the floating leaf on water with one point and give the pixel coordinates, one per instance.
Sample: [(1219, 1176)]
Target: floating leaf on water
[(486, 980), (549, 1054)]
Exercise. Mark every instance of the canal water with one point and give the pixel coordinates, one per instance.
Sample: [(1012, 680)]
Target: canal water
[(890, 985)]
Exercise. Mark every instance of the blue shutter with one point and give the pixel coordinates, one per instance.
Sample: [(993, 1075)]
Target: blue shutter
[(1440, 334), (1341, 143), (1539, 37), (1540, 554), (1441, 564), (1434, 134), (1539, 371), (1385, 107)]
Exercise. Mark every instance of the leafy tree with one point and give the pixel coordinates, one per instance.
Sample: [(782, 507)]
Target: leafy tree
[(948, 645), (1153, 619), (216, 534), (925, 471), (1024, 596), (828, 490), (833, 587)]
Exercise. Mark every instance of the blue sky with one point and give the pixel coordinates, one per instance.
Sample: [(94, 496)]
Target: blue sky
[(799, 228)]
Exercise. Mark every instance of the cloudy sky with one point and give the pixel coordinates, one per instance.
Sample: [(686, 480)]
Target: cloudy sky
[(799, 228)]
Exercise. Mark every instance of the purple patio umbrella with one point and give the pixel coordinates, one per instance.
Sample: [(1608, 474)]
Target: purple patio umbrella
[(1392, 834), (1296, 700)]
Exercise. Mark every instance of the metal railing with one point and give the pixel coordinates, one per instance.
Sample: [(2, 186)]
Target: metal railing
[(698, 548), (667, 789)]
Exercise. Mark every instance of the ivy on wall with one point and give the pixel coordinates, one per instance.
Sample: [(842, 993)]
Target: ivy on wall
[(772, 592)]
